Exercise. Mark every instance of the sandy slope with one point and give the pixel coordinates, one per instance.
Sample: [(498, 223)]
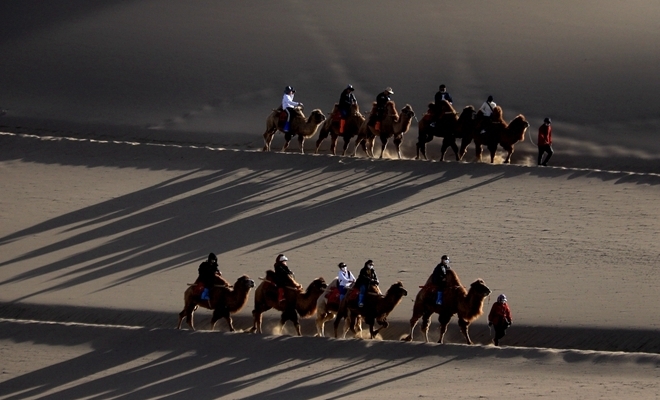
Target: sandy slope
[(117, 229), (148, 115)]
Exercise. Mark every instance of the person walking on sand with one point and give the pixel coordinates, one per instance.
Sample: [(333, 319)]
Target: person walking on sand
[(500, 318), (545, 142)]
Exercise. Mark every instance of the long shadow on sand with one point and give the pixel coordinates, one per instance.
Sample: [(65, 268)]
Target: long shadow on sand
[(226, 200), (140, 363)]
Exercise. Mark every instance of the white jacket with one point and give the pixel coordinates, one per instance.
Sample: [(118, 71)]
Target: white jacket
[(287, 101), (487, 110), (345, 278)]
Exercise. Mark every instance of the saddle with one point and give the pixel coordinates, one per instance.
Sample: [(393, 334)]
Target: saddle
[(197, 289), (333, 298)]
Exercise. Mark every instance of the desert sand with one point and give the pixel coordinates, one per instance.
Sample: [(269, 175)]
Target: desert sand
[(130, 149)]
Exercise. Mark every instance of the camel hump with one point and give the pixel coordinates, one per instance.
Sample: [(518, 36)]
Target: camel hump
[(270, 275)]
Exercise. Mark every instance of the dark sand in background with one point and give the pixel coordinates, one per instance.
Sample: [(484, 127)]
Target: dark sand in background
[(220, 66)]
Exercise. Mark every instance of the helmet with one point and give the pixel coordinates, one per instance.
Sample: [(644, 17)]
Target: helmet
[(389, 90), (212, 258), (281, 258), (490, 98), (547, 121), (350, 87), (289, 89), (501, 298), (341, 265)]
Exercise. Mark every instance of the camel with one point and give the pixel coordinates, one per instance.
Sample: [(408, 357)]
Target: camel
[(467, 304), (393, 125), (497, 132), (300, 127), (354, 121), (225, 300), (376, 309), (439, 121), (297, 303), (327, 306)]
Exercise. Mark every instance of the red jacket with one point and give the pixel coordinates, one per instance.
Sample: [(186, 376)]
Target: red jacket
[(499, 313), (545, 135)]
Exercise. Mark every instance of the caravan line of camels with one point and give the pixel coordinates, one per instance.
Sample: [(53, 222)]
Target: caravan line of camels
[(440, 120), (323, 300)]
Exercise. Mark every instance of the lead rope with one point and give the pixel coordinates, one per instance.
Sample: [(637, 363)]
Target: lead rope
[(530, 139)]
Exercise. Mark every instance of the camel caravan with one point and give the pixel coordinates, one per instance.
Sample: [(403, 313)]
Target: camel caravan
[(485, 127), (356, 301)]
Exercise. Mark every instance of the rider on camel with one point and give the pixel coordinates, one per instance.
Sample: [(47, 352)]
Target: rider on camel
[(439, 278), (283, 276), (207, 271), (346, 101), (366, 278)]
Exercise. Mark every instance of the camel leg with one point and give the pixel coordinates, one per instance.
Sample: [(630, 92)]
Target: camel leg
[(321, 319), (383, 325), (257, 319), (187, 312), (464, 145), (443, 150), (413, 322), (346, 143), (287, 141), (383, 141), (397, 144), (492, 151), (359, 140), (268, 138), (322, 135), (301, 142), (444, 323), (338, 319), (478, 150), (333, 145), (463, 324), (455, 148), (426, 324), (222, 313), (509, 151)]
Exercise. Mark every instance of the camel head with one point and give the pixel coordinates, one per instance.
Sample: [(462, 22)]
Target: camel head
[(408, 111), (396, 290), (316, 117), (479, 287), (317, 285), (518, 127), (245, 282)]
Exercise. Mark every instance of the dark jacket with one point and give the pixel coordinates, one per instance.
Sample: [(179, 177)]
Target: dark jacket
[(442, 96), (439, 277), (282, 273), (207, 271), (382, 99), (346, 100), (367, 277)]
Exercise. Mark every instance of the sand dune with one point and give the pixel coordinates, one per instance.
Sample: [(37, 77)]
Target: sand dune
[(129, 151)]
